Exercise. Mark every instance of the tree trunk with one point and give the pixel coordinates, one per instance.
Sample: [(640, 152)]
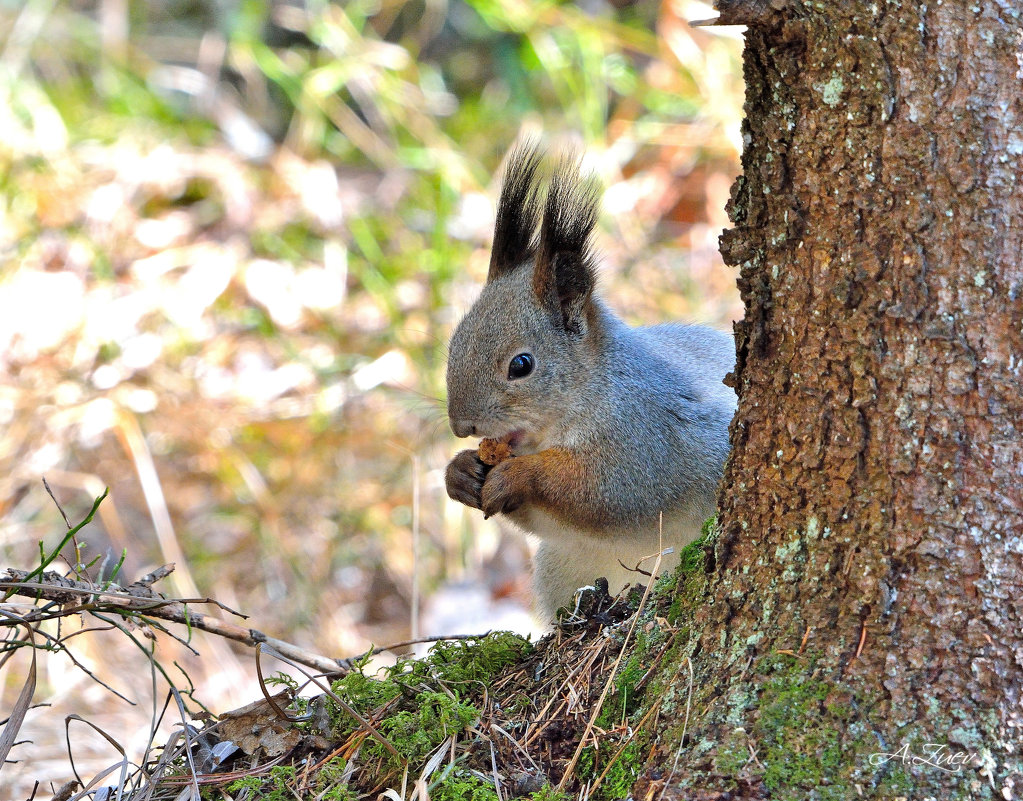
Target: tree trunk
[(862, 632)]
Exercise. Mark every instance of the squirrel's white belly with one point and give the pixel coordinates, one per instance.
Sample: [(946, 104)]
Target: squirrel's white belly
[(568, 558)]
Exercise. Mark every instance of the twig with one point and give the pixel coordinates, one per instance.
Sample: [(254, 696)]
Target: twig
[(863, 639), (143, 601), (55, 643), (366, 725), (48, 558), (56, 503), (405, 643)]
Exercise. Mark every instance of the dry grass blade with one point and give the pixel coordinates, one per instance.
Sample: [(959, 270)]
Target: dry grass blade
[(270, 699), (430, 767), (158, 770), (583, 668), (611, 675), (152, 490), (186, 733), (17, 716), (493, 769), (122, 765)]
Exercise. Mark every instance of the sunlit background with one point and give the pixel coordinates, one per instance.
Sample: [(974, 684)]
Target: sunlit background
[(235, 238)]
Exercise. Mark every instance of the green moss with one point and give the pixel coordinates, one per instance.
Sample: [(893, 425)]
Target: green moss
[(363, 693), (458, 661), (417, 732), (801, 731), (627, 698), (460, 785), (686, 585), (275, 785), (330, 782), (585, 768), (621, 771), (733, 754), (467, 663), (416, 706), (621, 775), (549, 793)]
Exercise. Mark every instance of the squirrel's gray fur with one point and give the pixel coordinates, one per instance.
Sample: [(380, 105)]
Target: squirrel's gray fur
[(613, 427)]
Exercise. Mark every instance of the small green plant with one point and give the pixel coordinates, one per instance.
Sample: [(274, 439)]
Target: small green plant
[(432, 698), (461, 785), (272, 786), (282, 679), (619, 770), (458, 662), (549, 793), (621, 774), (416, 733), (627, 696), (330, 782)]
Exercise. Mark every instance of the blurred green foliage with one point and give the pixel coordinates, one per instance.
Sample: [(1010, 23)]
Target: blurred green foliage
[(251, 226)]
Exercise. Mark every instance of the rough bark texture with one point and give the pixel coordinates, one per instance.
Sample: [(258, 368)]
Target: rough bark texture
[(868, 591)]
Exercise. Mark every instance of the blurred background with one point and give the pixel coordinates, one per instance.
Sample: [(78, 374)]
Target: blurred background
[(234, 239)]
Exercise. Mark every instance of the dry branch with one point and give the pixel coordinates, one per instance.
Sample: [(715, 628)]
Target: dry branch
[(140, 601)]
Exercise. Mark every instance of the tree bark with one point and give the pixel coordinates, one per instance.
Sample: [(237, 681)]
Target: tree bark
[(867, 597)]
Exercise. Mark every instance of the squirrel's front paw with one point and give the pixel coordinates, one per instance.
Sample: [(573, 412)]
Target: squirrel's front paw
[(507, 487), (464, 478)]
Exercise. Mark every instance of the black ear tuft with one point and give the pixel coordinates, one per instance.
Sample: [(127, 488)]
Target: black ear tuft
[(518, 210), (565, 272)]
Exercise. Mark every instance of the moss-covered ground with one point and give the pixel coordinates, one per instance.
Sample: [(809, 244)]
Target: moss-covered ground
[(483, 719)]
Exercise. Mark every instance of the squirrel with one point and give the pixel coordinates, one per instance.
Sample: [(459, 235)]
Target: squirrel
[(618, 435)]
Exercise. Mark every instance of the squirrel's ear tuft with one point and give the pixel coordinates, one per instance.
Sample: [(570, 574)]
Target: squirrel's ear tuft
[(518, 210), (565, 274)]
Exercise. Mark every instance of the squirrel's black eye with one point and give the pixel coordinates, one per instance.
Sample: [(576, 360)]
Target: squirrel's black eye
[(520, 366)]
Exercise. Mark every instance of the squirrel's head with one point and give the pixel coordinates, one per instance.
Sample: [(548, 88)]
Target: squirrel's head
[(521, 356)]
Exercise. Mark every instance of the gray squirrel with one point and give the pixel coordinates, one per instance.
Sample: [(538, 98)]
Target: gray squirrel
[(605, 427)]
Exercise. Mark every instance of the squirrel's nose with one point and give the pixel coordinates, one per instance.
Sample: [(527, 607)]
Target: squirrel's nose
[(462, 428)]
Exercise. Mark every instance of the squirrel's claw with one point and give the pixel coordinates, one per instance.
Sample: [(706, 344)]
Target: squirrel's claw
[(503, 491), (464, 478)]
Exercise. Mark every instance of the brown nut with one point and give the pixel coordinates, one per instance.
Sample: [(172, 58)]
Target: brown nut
[(494, 451)]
